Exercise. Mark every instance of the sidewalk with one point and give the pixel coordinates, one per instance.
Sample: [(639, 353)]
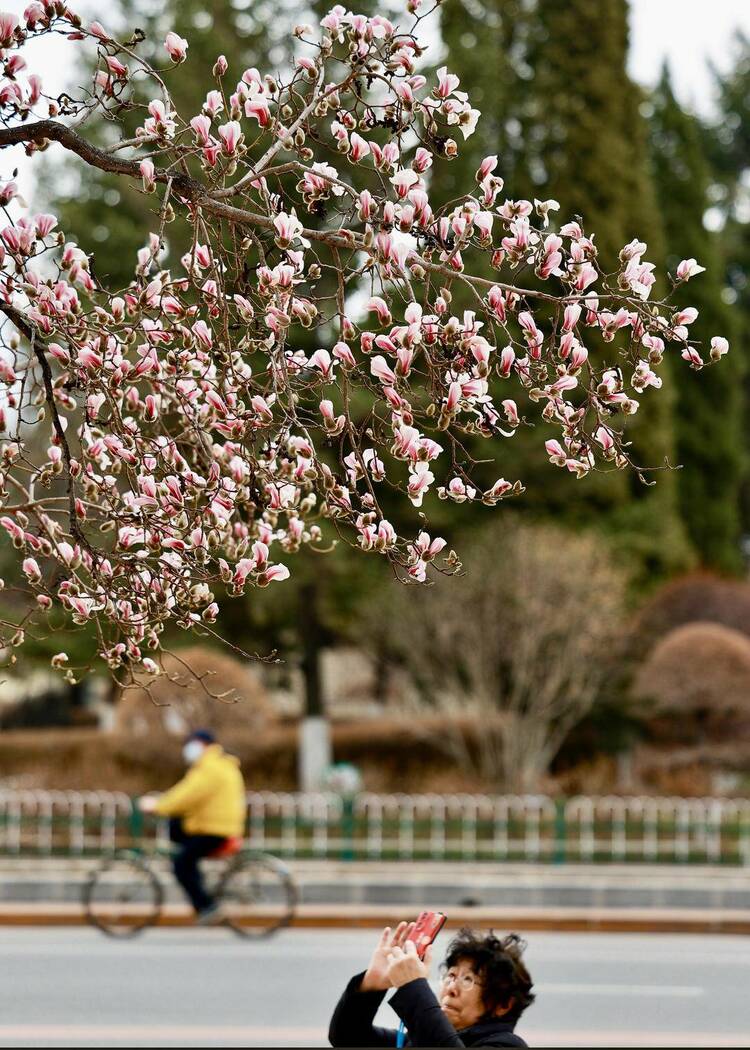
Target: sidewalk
[(485, 885), (591, 920), (520, 896)]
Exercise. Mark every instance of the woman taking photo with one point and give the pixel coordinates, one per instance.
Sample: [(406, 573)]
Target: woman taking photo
[(484, 989)]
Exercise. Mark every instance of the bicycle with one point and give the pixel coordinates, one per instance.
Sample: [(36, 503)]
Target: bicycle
[(124, 895)]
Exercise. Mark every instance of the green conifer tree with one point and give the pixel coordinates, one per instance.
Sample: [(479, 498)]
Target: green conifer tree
[(558, 107), (727, 145), (709, 415), (485, 42)]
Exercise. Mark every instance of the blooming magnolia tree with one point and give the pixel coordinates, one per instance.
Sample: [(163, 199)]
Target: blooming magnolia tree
[(191, 441)]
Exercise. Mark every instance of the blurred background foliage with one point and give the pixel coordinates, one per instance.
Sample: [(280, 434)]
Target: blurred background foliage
[(567, 122)]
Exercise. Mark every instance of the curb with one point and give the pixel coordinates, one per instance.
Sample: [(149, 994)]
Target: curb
[(310, 916)]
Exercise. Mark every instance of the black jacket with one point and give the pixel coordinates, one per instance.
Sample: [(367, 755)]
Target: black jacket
[(426, 1024)]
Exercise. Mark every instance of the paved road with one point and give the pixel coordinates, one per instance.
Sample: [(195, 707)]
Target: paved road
[(73, 987)]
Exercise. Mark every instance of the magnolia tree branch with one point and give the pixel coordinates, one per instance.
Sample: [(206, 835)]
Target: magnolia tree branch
[(228, 408)]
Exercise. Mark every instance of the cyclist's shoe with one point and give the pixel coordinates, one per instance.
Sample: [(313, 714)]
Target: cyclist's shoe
[(211, 916)]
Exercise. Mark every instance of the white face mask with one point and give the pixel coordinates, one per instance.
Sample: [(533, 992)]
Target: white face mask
[(192, 751)]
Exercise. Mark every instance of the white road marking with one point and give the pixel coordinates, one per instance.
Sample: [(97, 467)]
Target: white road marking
[(660, 991)]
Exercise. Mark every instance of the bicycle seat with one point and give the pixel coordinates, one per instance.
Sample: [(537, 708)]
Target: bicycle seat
[(228, 848)]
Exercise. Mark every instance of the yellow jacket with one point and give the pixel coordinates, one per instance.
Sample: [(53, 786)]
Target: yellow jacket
[(210, 798)]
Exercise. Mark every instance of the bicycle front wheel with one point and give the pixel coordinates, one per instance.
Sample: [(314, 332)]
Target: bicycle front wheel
[(122, 896), (257, 895)]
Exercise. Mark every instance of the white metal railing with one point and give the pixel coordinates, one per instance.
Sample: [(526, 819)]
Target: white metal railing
[(460, 827)]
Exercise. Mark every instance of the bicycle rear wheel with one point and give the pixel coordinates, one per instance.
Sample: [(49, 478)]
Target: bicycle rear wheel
[(257, 895), (122, 896)]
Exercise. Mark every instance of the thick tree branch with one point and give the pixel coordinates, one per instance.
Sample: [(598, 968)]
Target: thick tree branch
[(195, 193), (37, 346)]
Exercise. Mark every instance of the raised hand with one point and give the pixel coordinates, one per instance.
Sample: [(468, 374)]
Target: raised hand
[(376, 978), (404, 965)]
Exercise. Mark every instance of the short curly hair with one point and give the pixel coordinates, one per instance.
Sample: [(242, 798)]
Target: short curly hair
[(498, 961)]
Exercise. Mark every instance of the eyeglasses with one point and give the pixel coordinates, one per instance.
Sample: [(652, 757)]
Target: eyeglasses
[(464, 981)]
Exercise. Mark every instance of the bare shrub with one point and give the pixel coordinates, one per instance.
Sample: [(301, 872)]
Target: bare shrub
[(521, 643), (697, 597), (700, 674)]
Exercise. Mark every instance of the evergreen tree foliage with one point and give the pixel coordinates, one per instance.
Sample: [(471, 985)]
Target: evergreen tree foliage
[(727, 144), (709, 416), (485, 42), (559, 109)]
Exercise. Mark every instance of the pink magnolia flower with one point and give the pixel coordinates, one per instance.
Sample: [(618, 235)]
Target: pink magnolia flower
[(8, 26), (543, 208), (343, 353), (403, 181), (70, 555), (231, 136), (426, 548), (98, 30), (44, 224), (82, 607), (332, 20), (214, 103), (422, 160), (32, 14), (380, 369), (497, 302), (511, 412), (288, 228), (605, 439), (8, 192), (719, 347), (420, 479), (483, 221), (333, 424), (201, 125), (262, 408), (322, 360), (447, 83), (689, 268), (578, 357), (14, 530), (273, 573), (486, 168), (686, 316), (571, 317), (307, 65), (31, 570), (151, 408), (556, 452), (176, 47), (584, 274), (148, 175), (498, 490), (507, 359), (378, 305), (117, 67), (359, 147), (386, 534), (533, 335), (257, 108), (89, 358), (458, 491), (644, 376)]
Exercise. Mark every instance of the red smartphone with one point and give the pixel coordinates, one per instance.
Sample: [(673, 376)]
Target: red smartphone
[(426, 928)]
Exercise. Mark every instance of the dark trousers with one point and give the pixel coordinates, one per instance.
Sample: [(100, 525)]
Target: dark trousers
[(190, 850)]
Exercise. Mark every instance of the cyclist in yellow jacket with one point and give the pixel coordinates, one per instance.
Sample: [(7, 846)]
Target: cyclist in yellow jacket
[(206, 808)]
